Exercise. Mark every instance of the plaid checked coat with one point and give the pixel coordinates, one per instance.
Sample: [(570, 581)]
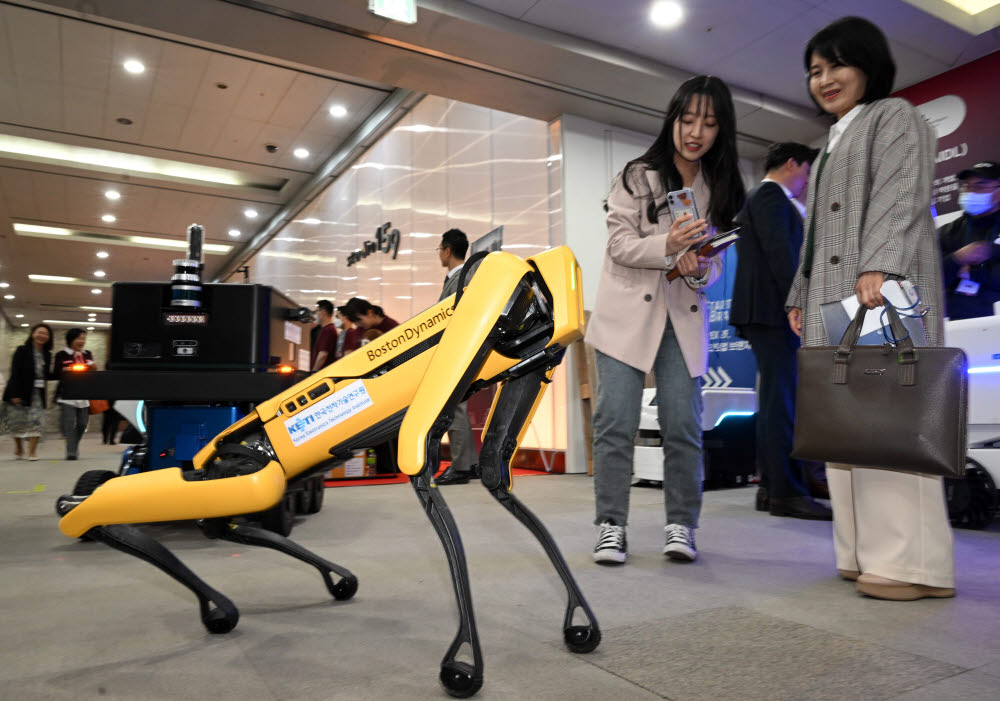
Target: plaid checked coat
[(872, 209)]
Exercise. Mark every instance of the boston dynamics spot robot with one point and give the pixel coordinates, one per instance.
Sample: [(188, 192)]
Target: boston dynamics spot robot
[(511, 325)]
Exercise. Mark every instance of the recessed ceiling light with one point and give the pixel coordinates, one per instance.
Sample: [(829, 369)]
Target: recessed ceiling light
[(4, 284), (234, 233), (338, 111), (310, 220), (250, 213), (112, 194), (666, 13), (109, 218), (24, 326), (133, 66), (301, 153), (124, 120), (99, 273), (19, 316), (8, 296), (50, 278), (95, 291), (90, 328), (102, 254)]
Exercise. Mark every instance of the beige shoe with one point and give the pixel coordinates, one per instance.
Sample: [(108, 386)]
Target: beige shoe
[(850, 575), (894, 590)]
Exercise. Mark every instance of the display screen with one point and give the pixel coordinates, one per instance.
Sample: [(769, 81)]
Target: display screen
[(183, 318)]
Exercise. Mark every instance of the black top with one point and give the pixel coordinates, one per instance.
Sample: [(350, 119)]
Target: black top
[(955, 235), (767, 255), (21, 383)]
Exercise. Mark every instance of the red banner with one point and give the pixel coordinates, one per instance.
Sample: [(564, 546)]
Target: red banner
[(963, 106)]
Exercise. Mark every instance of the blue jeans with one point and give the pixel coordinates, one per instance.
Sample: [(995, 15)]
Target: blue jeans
[(616, 420)]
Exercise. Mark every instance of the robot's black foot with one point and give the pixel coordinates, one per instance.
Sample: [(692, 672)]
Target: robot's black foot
[(344, 589), (218, 620), (459, 679), (582, 639)]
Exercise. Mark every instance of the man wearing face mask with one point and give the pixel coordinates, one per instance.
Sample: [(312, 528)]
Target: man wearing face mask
[(324, 350), (970, 245)]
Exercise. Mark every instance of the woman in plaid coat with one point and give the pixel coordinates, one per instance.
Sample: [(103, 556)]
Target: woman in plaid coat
[(869, 220)]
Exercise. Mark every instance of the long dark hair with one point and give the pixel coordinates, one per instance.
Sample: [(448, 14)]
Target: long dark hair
[(48, 346), (720, 165)]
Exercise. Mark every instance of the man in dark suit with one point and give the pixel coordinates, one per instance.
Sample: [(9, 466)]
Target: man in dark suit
[(767, 257), (452, 250)]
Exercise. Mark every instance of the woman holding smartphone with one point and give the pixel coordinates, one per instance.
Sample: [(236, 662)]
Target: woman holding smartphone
[(644, 322), (869, 221)]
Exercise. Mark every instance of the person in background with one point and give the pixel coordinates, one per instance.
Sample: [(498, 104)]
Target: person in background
[(767, 255), (324, 349), (369, 317), (644, 322), (454, 245), (74, 414), (869, 220), (349, 338), (110, 420), (970, 245), (24, 395)]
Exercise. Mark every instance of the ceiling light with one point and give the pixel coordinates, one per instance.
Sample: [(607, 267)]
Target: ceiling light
[(338, 111), (61, 322), (19, 316), (51, 278), (46, 230), (90, 328), (250, 213), (98, 309), (116, 162), (113, 194), (8, 296), (310, 220), (95, 291), (102, 254), (113, 239), (24, 326), (234, 233), (4, 284), (109, 218), (666, 13), (133, 66), (99, 273), (301, 153), (154, 242)]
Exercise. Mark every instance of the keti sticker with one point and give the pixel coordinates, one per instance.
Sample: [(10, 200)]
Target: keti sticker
[(338, 407)]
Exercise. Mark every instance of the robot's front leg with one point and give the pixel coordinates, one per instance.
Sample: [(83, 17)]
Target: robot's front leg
[(513, 408), (460, 679)]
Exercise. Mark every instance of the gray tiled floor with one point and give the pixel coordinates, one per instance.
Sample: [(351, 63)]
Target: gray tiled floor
[(760, 615)]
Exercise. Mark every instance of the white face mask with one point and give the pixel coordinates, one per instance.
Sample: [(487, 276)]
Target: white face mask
[(337, 323), (975, 203)]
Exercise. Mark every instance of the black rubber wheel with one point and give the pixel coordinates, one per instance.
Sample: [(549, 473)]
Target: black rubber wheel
[(459, 680), (972, 502), (318, 492), (345, 588), (91, 480), (581, 639), (281, 518)]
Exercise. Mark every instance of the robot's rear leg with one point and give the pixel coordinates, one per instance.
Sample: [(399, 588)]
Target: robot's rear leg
[(218, 613), (460, 679), (512, 410), (250, 535)]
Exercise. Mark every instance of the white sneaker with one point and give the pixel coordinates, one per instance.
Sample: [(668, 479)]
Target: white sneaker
[(612, 546), (680, 543)]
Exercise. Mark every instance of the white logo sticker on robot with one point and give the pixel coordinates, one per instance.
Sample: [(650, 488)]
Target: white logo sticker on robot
[(338, 407)]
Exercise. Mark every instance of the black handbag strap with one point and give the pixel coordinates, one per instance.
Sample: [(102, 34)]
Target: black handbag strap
[(907, 354)]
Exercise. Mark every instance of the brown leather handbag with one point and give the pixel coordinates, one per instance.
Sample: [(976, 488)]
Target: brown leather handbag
[(894, 407)]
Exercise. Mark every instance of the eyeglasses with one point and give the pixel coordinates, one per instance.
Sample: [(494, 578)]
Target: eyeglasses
[(980, 186)]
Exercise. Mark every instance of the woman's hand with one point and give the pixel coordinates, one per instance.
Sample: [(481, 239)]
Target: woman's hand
[(693, 265), (16, 401), (684, 233), (795, 320), (869, 289)]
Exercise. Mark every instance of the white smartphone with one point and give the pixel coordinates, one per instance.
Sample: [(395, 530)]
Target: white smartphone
[(681, 202)]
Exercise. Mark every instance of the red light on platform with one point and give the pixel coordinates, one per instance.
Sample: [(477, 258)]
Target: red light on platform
[(77, 367), (286, 369)]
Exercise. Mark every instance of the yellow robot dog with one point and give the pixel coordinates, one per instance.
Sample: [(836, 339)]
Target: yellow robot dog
[(511, 325)]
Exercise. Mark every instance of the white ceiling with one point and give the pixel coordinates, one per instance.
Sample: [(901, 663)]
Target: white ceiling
[(285, 62)]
